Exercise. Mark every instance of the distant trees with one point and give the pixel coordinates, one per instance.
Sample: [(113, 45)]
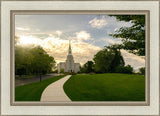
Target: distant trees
[(88, 67), (108, 59), (133, 37), (32, 60), (142, 70), (125, 69)]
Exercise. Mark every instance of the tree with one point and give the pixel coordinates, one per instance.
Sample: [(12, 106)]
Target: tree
[(23, 60), (102, 61), (117, 59), (16, 40), (142, 70), (108, 59), (32, 60), (88, 67), (133, 37), (42, 62), (124, 69), (62, 70)]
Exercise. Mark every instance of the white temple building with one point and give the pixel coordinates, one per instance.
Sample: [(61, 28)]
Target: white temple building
[(69, 65)]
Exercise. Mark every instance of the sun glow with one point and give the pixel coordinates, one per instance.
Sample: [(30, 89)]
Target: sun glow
[(25, 40)]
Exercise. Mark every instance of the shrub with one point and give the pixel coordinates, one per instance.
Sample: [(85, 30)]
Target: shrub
[(70, 73), (125, 69), (91, 73), (62, 70), (55, 71), (142, 70)]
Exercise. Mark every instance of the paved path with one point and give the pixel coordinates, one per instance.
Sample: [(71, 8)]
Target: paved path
[(55, 92), (24, 81)]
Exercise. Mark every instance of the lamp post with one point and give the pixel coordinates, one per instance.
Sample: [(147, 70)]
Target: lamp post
[(40, 53)]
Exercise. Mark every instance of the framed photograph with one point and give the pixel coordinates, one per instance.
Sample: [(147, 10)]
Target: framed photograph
[(80, 57)]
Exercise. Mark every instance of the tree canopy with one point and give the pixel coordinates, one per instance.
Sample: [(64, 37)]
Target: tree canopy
[(133, 37), (108, 59), (32, 60)]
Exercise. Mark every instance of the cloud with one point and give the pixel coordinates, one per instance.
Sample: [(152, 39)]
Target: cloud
[(50, 35), (24, 40), (84, 52), (59, 33), (37, 29), (98, 23), (82, 35), (115, 29), (58, 48), (22, 29), (113, 41), (135, 61)]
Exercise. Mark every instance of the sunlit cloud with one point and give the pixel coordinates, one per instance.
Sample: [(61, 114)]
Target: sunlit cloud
[(37, 29), (82, 35), (135, 61), (25, 40), (22, 29), (98, 23), (50, 34), (58, 48), (115, 29), (59, 33), (113, 41)]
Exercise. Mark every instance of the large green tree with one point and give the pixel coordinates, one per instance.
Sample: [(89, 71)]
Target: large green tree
[(117, 60), (32, 60), (133, 37), (108, 59), (23, 59)]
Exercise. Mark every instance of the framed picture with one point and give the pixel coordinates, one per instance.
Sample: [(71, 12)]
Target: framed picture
[(80, 58)]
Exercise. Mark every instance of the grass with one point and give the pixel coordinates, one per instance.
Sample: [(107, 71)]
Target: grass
[(33, 91), (106, 87)]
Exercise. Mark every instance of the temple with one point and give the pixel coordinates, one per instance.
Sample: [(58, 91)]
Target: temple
[(69, 65)]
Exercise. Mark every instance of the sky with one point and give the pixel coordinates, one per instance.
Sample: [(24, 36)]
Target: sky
[(88, 35)]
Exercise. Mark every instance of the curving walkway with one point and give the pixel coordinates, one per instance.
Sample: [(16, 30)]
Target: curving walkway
[(55, 92)]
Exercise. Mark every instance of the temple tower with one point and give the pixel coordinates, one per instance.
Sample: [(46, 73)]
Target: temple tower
[(69, 60), (69, 65)]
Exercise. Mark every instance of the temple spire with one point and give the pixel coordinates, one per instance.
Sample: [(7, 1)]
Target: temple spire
[(69, 50)]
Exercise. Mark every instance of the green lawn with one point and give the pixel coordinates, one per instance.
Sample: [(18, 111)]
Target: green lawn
[(33, 91), (106, 87)]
